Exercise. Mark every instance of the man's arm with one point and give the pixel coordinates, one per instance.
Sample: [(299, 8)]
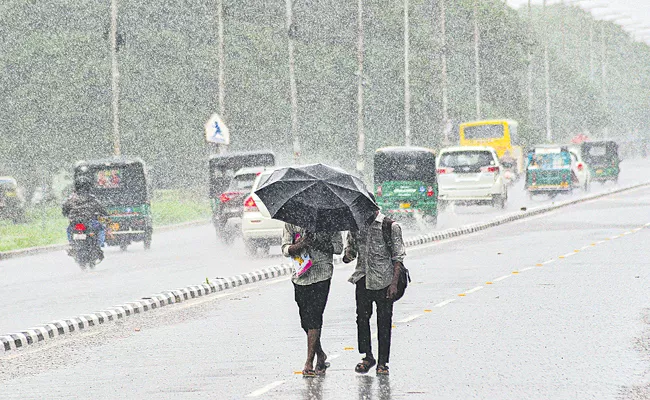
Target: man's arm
[(351, 248), (290, 249), (397, 258)]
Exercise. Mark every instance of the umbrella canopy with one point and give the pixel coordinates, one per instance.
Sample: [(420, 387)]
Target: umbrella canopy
[(318, 198)]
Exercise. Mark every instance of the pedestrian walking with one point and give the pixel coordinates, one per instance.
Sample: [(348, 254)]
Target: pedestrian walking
[(376, 277), (313, 255)]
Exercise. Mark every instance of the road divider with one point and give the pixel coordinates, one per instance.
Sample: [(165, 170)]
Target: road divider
[(20, 340)]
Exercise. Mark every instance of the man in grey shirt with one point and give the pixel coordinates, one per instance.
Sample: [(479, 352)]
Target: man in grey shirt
[(312, 287), (376, 276)]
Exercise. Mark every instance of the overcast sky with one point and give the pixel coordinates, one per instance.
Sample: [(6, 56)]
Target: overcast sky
[(638, 11)]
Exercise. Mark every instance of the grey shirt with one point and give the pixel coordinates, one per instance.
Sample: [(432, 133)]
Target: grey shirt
[(375, 261), (322, 262)]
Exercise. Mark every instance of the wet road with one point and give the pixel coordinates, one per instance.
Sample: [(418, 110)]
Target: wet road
[(42, 288), (548, 307)]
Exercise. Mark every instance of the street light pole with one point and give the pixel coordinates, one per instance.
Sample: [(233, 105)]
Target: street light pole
[(530, 64), (477, 62), (361, 138), (220, 78), (604, 73), (292, 84), (443, 63), (407, 85), (547, 83), (220, 51), (115, 75)]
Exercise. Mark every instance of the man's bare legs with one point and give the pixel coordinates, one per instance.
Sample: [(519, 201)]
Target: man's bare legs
[(314, 349)]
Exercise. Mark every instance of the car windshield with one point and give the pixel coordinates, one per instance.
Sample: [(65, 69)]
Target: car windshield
[(242, 182), (476, 159), (262, 180), (120, 185), (559, 160), (405, 166)]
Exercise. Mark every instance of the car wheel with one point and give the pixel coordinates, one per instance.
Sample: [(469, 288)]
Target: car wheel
[(123, 246), (499, 201), (147, 240), (250, 247), (431, 220)]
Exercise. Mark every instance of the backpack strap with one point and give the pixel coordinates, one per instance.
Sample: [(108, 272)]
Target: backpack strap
[(387, 230)]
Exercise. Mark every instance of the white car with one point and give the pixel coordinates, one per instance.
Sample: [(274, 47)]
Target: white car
[(580, 169), (470, 175), (259, 231)]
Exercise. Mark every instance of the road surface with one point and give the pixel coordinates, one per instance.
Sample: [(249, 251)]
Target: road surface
[(552, 307)]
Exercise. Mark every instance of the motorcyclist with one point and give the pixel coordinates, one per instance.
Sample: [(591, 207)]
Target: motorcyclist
[(84, 206)]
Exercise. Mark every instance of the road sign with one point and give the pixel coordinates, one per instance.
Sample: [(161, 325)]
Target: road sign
[(216, 131)]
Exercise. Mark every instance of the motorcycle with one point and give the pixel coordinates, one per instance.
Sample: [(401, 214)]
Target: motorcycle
[(84, 245), (510, 173)]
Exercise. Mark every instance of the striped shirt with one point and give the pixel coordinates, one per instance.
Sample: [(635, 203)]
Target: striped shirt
[(322, 262)]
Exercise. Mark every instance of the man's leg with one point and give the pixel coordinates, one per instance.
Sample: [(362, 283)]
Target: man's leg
[(364, 312), (313, 340), (384, 326)]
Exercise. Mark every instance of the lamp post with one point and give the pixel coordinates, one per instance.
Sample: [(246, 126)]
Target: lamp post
[(547, 80), (115, 76), (291, 31), (361, 138), (443, 63), (477, 62), (407, 85)]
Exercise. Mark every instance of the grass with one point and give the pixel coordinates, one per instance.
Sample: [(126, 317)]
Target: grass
[(47, 226)]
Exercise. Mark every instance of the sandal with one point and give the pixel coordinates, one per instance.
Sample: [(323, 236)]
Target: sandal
[(308, 373), (364, 366), (382, 369), (320, 369)]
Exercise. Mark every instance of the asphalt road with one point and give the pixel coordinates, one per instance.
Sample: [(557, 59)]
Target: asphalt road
[(548, 307), (42, 288)]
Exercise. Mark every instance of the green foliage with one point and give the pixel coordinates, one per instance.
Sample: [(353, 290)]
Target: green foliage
[(55, 79)]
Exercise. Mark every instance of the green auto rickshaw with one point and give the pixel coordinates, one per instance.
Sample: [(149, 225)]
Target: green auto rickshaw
[(602, 159), (122, 186), (405, 182), (548, 171)]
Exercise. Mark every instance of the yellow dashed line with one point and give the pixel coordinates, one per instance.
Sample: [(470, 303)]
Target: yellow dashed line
[(515, 272), (427, 310), (348, 348), (488, 283), (539, 265), (462, 295)]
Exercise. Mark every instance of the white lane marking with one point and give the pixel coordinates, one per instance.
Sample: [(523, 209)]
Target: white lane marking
[(568, 255), (476, 289), (525, 269), (265, 389), (548, 262), (600, 242), (614, 237), (585, 247), (333, 356), (444, 303), (501, 278), (409, 319)]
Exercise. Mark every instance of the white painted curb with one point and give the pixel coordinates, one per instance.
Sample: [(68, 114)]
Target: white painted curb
[(14, 341)]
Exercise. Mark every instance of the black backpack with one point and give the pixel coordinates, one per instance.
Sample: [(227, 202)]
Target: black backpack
[(404, 276)]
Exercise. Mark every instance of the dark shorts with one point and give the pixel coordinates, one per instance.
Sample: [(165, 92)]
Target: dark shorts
[(311, 300)]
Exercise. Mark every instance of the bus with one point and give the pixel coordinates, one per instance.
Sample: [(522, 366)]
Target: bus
[(500, 134)]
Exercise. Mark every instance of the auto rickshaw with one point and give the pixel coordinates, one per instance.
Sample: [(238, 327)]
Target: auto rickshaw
[(548, 171), (122, 186), (12, 205), (229, 204), (603, 160), (405, 182)]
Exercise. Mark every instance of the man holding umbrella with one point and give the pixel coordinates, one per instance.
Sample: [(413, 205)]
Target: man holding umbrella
[(312, 287), (317, 202)]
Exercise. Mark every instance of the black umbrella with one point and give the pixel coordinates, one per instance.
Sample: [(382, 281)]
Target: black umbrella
[(318, 198)]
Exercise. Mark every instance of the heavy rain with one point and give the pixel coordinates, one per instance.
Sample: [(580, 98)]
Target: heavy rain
[(299, 199)]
